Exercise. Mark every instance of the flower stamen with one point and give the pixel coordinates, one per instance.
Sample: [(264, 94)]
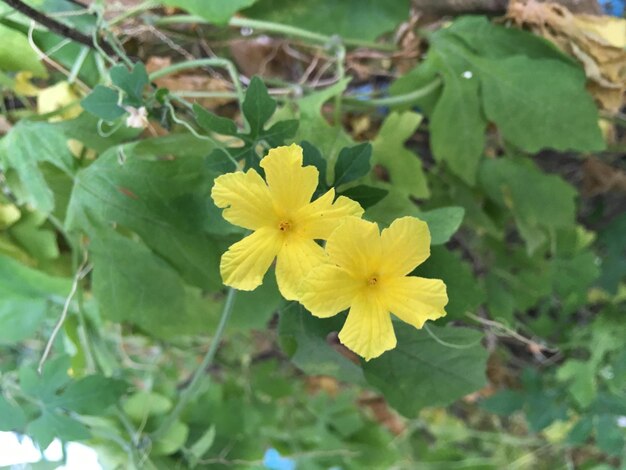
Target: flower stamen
[(284, 226)]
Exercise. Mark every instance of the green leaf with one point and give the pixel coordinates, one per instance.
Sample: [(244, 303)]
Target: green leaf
[(314, 127), (214, 11), (353, 19), (132, 82), (581, 431), (518, 186), (464, 292), (312, 156), (422, 371), (12, 417), (458, 131), (367, 196), (90, 395), (27, 297), (51, 425), (402, 165), (304, 339), (172, 441), (609, 436), (142, 405), (504, 403), (611, 247), (16, 55), (352, 163), (582, 376), (202, 445), (442, 223), (164, 201), (102, 103), (555, 111), (84, 128), (132, 284), (258, 106), (211, 122), (24, 148)]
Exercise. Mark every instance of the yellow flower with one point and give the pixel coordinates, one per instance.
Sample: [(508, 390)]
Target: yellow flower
[(284, 220), (367, 272)]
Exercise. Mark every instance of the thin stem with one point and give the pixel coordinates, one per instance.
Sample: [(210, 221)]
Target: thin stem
[(208, 62), (78, 64), (398, 99), (278, 28), (82, 271), (188, 393)]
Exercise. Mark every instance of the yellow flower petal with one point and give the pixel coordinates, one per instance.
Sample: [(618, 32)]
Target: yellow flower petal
[(415, 299), (291, 184), (246, 262), (296, 259), (328, 290), (368, 331), (406, 244), (355, 246), (320, 218), (246, 198)]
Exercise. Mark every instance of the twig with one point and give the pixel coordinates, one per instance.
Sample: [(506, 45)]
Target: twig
[(82, 271), (56, 26)]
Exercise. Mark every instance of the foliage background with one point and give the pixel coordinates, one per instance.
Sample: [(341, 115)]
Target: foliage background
[(504, 134)]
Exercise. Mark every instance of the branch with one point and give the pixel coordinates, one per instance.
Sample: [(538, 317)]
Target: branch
[(58, 27)]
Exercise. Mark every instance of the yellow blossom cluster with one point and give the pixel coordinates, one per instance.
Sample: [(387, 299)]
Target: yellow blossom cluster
[(359, 268)]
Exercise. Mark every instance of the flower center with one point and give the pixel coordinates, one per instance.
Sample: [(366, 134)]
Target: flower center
[(285, 225), (373, 280)]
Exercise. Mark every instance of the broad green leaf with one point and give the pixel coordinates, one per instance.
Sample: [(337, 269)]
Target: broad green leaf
[(27, 296), (352, 163), (457, 123), (314, 127), (202, 445), (403, 166), (90, 395), (258, 106), (164, 201), (353, 19), (422, 371), (504, 403), (611, 247), (581, 431), (582, 376), (24, 148), (102, 103), (51, 425), (134, 285), (11, 416), (304, 339), (142, 405), (39, 242), (465, 293), (172, 441), (84, 129), (132, 82), (254, 310), (313, 157), (498, 42), (46, 385), (16, 55), (211, 122), (540, 104), (442, 223), (540, 203), (366, 196), (609, 436), (214, 11)]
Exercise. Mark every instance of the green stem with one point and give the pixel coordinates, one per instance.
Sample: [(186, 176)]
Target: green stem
[(398, 99), (277, 28), (211, 62), (192, 388)]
